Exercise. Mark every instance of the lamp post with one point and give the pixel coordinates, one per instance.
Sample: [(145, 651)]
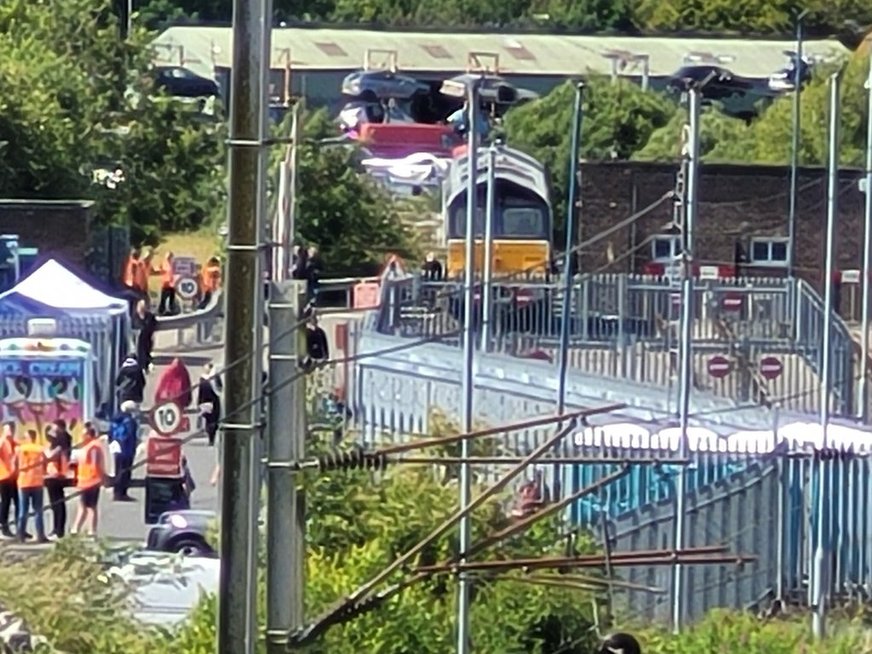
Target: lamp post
[(694, 97), (821, 466), (468, 89), (867, 257), (571, 219), (794, 146), (487, 277)]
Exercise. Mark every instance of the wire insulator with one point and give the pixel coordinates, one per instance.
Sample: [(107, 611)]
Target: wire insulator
[(354, 460)]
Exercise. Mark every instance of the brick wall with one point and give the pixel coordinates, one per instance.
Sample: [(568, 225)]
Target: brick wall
[(737, 203), (55, 227)]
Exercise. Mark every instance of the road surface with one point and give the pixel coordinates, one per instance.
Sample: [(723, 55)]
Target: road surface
[(125, 520)]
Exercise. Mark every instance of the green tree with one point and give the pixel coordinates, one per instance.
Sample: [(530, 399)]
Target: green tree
[(619, 118), (717, 132), (748, 16), (584, 14), (353, 221), (75, 99), (768, 138)]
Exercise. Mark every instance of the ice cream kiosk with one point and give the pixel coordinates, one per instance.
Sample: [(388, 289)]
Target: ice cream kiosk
[(47, 379)]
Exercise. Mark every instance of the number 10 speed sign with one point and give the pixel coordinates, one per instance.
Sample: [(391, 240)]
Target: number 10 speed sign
[(166, 419)]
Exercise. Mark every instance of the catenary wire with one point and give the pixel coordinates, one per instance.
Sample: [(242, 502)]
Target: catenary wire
[(271, 389)]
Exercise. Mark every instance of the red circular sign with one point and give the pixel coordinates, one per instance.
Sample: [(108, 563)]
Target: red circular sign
[(770, 367), (719, 366), (733, 301)]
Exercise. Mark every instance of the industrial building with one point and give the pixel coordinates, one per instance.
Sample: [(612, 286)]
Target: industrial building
[(742, 229), (312, 62)]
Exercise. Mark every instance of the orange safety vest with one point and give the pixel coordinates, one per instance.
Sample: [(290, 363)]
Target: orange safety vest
[(31, 466), (7, 459), (136, 274), (89, 470), (7, 456), (210, 278), (140, 275), (167, 274), (58, 467)]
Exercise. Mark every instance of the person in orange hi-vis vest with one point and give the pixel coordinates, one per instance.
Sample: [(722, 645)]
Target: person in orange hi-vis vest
[(30, 465), (8, 484), (167, 304), (57, 478), (210, 281), (136, 270), (90, 477)]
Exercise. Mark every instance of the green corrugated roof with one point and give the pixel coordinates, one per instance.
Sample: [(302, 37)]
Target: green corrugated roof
[(521, 54)]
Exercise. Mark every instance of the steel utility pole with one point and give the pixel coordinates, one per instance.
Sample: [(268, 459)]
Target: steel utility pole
[(822, 546), (794, 147), (286, 514), (867, 256), (490, 208), (468, 390), (283, 229), (571, 219), (240, 435), (694, 101)]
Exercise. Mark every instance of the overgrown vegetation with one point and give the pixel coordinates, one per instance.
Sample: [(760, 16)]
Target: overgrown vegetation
[(66, 597), (75, 100), (745, 16)]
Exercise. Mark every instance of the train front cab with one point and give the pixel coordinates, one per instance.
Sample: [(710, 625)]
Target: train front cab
[(522, 250)]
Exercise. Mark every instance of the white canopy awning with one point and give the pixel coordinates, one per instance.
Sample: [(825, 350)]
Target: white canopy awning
[(54, 285)]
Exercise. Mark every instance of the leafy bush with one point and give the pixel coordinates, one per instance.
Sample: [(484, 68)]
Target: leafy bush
[(65, 596), (728, 632)]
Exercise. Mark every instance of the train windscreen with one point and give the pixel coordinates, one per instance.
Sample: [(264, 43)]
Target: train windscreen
[(514, 218)]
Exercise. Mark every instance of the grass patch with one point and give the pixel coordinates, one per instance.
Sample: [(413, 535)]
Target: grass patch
[(200, 245)]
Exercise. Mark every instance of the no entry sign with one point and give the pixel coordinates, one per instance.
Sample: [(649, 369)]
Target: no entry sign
[(770, 367), (719, 366), (733, 301)]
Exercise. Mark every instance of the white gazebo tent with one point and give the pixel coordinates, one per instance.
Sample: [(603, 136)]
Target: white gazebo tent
[(54, 301)]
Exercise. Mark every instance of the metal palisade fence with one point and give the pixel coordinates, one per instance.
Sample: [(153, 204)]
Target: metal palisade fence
[(758, 347), (755, 340)]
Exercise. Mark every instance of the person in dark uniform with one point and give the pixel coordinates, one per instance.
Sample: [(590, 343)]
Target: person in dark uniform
[(317, 349), (299, 259), (431, 271), (145, 323), (312, 273), (209, 403)]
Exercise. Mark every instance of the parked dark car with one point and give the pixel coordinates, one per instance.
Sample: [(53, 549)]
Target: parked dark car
[(182, 83), (182, 532), (721, 85)]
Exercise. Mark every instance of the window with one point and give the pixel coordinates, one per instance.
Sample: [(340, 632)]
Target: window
[(769, 251), (523, 222), (518, 222), (665, 248)]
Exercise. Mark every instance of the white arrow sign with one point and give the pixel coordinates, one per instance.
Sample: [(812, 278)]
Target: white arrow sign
[(166, 419)]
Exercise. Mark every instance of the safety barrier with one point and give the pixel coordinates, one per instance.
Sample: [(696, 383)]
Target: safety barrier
[(755, 340)]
